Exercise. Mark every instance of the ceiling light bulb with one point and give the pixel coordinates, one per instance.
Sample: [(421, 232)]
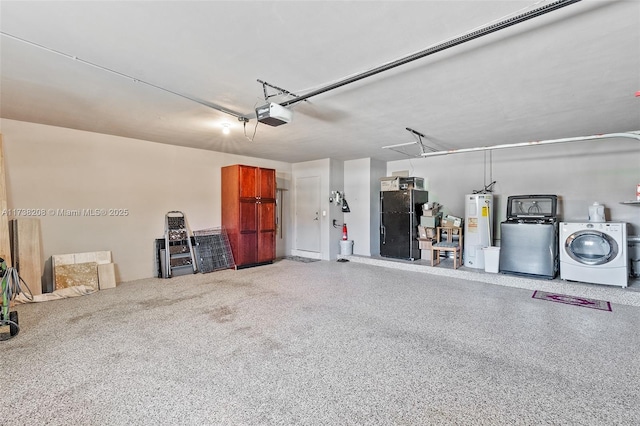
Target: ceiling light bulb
[(225, 129)]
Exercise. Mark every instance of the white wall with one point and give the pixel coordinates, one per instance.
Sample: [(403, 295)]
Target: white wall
[(356, 191), (580, 173), (56, 168), (284, 201), (336, 178), (362, 188)]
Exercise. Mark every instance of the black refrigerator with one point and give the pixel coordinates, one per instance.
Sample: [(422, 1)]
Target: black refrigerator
[(399, 219)]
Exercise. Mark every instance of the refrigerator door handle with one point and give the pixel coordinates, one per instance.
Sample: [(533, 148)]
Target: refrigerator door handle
[(382, 230)]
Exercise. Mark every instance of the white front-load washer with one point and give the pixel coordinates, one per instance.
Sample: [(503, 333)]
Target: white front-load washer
[(594, 253)]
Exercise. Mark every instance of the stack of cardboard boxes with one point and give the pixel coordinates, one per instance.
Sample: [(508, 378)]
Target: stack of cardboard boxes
[(431, 218)]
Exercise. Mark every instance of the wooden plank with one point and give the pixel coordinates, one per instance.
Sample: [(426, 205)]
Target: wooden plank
[(26, 252), (5, 243), (106, 276), (76, 275)]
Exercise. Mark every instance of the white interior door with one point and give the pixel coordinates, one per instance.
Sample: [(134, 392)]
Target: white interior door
[(308, 213)]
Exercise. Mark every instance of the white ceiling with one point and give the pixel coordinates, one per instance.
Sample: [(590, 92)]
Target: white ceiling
[(571, 72)]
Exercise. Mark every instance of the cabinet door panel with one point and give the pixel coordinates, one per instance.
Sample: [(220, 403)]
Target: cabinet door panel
[(267, 188), (247, 252), (248, 182), (266, 246), (266, 231), (266, 216), (248, 217)]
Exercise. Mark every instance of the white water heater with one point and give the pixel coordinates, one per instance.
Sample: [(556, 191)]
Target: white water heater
[(478, 228)]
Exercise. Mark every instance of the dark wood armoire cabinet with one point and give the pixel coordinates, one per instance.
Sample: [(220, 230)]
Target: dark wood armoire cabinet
[(249, 213)]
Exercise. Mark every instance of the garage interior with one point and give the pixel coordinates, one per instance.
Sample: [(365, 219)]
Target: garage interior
[(124, 111)]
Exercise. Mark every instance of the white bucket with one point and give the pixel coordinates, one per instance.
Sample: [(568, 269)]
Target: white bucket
[(491, 259), (346, 247)]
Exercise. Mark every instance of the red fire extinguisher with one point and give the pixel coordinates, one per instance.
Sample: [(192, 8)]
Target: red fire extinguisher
[(344, 232)]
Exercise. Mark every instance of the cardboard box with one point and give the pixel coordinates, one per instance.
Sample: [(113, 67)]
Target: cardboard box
[(426, 232), (390, 183), (422, 232), (426, 254), (431, 221), (448, 222), (432, 211), (399, 183), (457, 221), (425, 243)]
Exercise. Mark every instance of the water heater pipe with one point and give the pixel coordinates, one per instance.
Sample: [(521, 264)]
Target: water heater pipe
[(632, 135)]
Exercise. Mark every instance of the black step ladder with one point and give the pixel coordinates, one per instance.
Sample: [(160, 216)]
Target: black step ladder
[(179, 253)]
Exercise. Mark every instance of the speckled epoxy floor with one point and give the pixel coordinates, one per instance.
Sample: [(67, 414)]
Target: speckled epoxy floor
[(629, 295), (321, 343)]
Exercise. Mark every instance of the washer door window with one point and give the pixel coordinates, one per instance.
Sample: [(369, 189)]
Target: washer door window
[(591, 247)]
